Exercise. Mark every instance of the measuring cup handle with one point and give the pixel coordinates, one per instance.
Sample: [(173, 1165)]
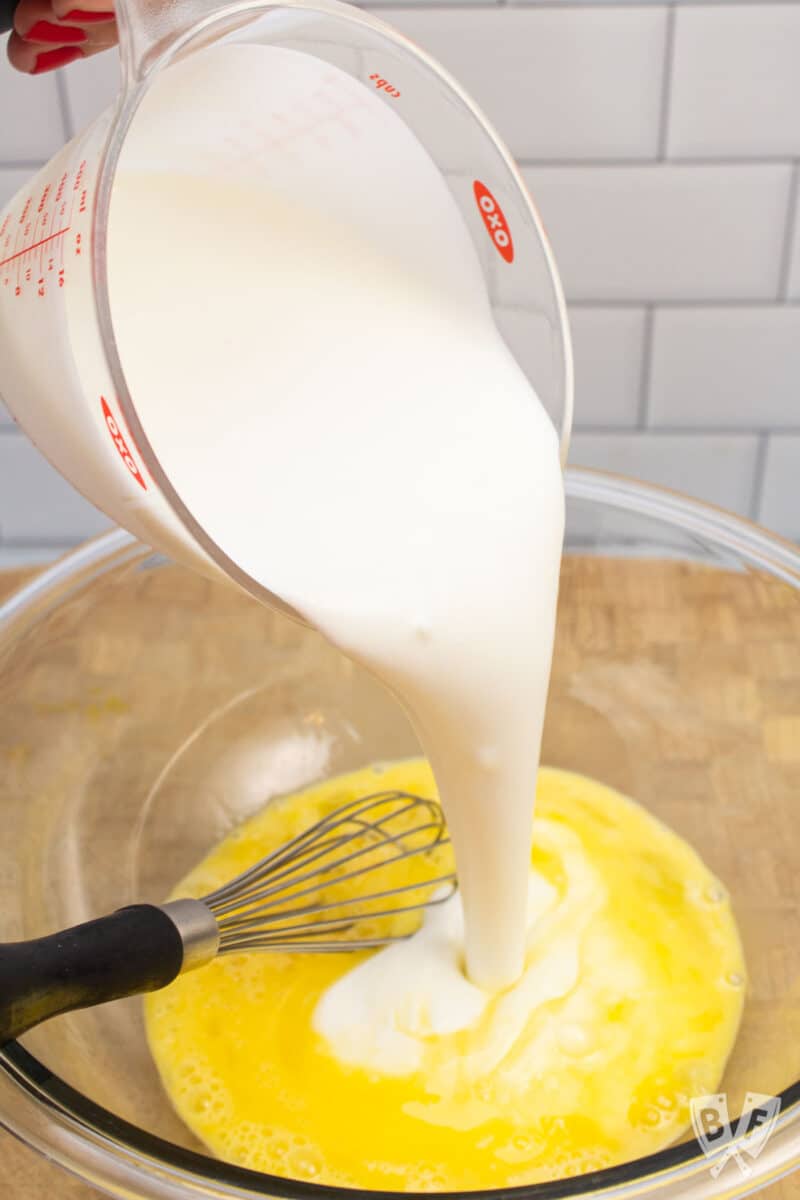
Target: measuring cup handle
[(136, 949), (7, 10), (147, 28)]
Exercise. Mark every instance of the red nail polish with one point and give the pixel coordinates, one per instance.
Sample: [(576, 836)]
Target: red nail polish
[(51, 59), (89, 18), (59, 35)]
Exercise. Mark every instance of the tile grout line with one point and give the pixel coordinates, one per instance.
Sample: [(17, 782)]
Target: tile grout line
[(646, 372), (657, 432), (759, 302), (612, 305), (666, 84), (32, 543), (789, 234), (22, 164), (567, 162), (702, 161), (63, 101), (444, 5), (759, 475)]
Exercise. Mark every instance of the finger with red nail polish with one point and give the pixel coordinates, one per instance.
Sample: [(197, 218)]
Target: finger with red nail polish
[(58, 24), (95, 18), (22, 54), (85, 12), (51, 60), (55, 35), (80, 16)]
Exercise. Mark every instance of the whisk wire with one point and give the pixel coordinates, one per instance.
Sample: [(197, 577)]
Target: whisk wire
[(235, 941), (348, 814), (237, 921), (258, 894), (261, 910), (295, 899)]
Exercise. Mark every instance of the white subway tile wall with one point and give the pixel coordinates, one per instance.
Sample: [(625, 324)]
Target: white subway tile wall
[(90, 88), (33, 125), (718, 467), (666, 232), (36, 504), (744, 362), (573, 83), (661, 142), (793, 265), (13, 178), (608, 345), (735, 82), (778, 505)]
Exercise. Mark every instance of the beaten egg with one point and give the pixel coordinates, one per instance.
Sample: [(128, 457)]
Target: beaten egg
[(388, 1069)]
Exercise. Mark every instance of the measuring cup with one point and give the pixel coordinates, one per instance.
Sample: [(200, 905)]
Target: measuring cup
[(343, 89)]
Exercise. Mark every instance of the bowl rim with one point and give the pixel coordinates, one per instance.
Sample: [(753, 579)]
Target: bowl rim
[(124, 1160)]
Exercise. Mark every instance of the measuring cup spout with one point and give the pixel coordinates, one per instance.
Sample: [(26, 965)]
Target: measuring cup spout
[(150, 28)]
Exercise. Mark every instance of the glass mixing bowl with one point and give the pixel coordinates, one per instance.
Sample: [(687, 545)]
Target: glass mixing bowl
[(146, 711)]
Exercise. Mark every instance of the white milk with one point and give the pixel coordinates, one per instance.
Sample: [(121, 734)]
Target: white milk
[(388, 1011), (343, 417)]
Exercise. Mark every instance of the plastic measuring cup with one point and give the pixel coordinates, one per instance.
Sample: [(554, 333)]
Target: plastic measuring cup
[(61, 373)]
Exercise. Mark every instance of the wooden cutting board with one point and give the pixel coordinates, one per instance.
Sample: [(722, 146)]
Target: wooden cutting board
[(734, 643)]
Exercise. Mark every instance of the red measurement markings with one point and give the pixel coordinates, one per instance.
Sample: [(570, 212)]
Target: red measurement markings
[(383, 85), (60, 246), (56, 204), (40, 235), (78, 187), (35, 246)]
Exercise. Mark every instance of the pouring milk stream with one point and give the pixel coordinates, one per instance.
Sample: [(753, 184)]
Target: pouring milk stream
[(329, 396)]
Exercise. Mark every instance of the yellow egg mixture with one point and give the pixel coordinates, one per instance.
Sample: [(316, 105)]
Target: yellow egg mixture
[(629, 1006)]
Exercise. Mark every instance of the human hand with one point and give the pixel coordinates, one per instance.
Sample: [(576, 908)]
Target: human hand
[(52, 33)]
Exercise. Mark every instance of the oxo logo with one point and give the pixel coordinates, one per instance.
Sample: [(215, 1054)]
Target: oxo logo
[(121, 444), (495, 222)]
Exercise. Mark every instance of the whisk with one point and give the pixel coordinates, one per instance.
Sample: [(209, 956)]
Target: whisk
[(300, 897)]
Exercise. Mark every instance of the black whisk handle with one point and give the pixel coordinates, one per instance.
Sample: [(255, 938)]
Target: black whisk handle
[(136, 949)]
